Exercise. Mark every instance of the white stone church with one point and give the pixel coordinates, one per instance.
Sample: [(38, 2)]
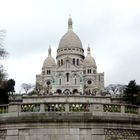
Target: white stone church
[(73, 73)]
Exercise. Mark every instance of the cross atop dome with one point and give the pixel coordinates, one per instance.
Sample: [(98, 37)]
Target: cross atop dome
[(70, 23), (49, 50), (88, 50)]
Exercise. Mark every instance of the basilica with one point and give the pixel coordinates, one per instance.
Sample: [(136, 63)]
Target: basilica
[(72, 72)]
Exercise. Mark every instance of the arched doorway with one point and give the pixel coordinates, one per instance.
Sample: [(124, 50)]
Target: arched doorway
[(75, 91), (66, 92), (59, 91)]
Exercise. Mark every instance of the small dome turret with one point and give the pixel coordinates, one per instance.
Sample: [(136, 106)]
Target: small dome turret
[(49, 61), (89, 60)]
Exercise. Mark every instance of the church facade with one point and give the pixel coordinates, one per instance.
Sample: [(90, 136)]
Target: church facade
[(72, 72)]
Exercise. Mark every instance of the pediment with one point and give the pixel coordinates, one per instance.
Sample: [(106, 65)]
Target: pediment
[(67, 66)]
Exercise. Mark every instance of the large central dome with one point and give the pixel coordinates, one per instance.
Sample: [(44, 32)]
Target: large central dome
[(70, 39)]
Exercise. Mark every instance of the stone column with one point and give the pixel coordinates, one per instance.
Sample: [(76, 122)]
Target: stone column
[(66, 107), (122, 109), (139, 110), (42, 108), (13, 109)]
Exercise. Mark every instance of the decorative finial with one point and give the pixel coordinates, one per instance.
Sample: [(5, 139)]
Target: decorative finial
[(49, 50), (70, 23), (88, 49)]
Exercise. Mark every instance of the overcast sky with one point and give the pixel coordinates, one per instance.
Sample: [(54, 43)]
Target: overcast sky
[(111, 27)]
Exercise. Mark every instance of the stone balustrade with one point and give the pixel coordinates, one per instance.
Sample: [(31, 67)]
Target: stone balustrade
[(3, 109), (70, 107)]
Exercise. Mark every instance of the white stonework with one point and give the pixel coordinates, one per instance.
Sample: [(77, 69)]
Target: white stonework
[(74, 73)]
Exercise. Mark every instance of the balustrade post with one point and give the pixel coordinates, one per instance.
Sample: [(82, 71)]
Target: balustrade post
[(66, 107), (19, 108), (97, 108), (42, 108), (91, 108), (122, 108), (13, 109), (139, 110)]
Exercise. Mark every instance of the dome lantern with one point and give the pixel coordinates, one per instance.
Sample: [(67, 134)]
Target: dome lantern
[(88, 50), (70, 23), (49, 51)]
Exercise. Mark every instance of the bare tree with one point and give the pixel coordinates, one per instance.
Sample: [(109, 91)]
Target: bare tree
[(3, 52), (3, 74), (114, 89), (26, 87)]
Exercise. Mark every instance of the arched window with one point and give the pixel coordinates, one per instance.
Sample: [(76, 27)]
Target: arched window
[(73, 61), (67, 75), (61, 61), (48, 72), (75, 79), (77, 61), (47, 91), (99, 78), (89, 90), (58, 62), (89, 70), (59, 81)]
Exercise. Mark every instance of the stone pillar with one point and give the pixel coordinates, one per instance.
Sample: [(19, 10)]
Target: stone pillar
[(42, 108), (66, 107), (122, 109), (97, 108), (13, 110), (139, 110)]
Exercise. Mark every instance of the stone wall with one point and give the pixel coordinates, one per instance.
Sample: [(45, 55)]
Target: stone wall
[(70, 98), (68, 131)]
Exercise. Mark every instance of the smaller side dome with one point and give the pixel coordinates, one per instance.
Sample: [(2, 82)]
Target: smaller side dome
[(89, 60), (49, 61)]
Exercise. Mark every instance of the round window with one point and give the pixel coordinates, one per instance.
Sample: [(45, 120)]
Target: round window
[(89, 82), (48, 83)]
